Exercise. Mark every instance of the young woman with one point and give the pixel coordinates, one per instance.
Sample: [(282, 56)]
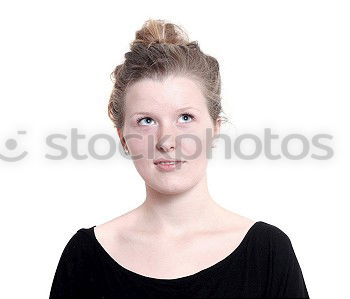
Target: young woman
[(179, 242)]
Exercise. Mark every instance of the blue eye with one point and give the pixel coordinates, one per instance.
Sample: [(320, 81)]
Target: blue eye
[(142, 118), (188, 115), (148, 119)]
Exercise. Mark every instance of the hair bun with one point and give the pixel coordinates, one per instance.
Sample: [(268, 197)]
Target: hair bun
[(160, 31)]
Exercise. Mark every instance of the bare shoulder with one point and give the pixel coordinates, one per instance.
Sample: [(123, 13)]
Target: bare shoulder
[(112, 229), (236, 222)]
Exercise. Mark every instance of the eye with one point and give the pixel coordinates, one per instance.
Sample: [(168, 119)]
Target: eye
[(142, 118), (187, 115), (148, 119)]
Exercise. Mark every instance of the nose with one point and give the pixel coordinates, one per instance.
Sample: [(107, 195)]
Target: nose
[(166, 138)]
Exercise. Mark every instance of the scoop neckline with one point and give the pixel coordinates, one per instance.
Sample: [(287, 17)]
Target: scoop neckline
[(181, 279)]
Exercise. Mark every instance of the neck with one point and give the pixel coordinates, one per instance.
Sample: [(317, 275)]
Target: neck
[(180, 213)]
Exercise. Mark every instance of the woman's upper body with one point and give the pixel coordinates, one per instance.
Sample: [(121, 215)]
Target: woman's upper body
[(166, 105), (260, 263)]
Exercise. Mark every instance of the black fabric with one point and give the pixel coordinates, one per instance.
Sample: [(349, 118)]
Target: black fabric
[(263, 265)]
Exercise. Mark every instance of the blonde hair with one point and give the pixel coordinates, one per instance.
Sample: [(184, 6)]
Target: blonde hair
[(160, 49)]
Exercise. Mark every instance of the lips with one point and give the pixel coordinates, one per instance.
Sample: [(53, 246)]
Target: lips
[(168, 165), (165, 162)]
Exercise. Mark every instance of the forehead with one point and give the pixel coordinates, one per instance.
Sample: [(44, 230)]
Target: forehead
[(174, 92)]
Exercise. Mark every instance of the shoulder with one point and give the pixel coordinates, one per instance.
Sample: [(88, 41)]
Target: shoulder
[(271, 232), (79, 243), (278, 239), (73, 267), (77, 249), (271, 239), (283, 272)]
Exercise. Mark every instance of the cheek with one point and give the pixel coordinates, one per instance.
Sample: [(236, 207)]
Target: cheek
[(142, 150), (138, 146), (139, 151), (195, 147), (141, 146)]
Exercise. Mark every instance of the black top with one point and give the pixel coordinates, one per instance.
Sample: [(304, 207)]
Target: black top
[(263, 265)]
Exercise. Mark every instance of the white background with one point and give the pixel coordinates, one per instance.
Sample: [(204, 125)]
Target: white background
[(284, 65)]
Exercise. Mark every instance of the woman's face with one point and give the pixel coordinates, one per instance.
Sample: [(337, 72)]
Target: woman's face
[(168, 120)]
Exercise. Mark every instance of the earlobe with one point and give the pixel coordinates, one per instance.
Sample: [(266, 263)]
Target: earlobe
[(120, 134), (122, 139), (216, 131), (217, 127)]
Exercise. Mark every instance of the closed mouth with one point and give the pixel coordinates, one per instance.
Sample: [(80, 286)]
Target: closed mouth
[(168, 162)]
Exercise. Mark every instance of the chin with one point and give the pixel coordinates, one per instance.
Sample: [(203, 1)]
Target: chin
[(169, 190), (171, 186)]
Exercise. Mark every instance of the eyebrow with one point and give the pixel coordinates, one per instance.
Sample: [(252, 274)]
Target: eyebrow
[(177, 110)]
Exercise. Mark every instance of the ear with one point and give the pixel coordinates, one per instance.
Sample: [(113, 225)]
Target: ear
[(120, 134), (217, 126)]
